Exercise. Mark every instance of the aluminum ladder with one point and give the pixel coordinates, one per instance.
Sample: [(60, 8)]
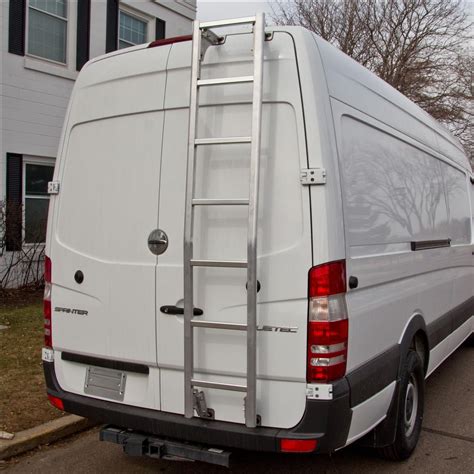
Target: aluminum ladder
[(193, 398)]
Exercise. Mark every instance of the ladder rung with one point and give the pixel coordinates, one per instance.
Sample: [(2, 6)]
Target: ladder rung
[(222, 141), (219, 385), (219, 263), (218, 325), (221, 23), (220, 202), (224, 80)]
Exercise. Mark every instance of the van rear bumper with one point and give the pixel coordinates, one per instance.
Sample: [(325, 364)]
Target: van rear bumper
[(327, 421)]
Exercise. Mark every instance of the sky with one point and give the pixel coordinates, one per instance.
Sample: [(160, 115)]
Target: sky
[(223, 9)]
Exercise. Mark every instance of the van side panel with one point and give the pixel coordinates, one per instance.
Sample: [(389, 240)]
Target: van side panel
[(395, 192)]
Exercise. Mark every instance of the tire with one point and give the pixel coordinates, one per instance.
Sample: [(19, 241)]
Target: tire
[(411, 407)]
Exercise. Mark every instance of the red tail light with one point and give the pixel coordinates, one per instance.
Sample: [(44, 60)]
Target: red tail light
[(48, 337), (328, 327), (56, 402), (327, 279), (176, 39), (297, 445)]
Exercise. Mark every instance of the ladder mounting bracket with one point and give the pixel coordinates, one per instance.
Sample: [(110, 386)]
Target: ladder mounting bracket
[(200, 405), (258, 421), (309, 176), (209, 38)]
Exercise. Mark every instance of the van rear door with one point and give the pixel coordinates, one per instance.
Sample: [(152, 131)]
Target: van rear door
[(284, 245), (107, 207)]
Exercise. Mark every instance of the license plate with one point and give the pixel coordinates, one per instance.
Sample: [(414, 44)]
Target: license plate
[(106, 383)]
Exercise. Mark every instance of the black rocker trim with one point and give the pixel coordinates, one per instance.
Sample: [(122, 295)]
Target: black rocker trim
[(440, 329)]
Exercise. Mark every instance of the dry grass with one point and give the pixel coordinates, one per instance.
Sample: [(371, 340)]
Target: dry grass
[(23, 400)]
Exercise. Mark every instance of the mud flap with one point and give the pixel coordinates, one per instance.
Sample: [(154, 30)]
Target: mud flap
[(384, 434)]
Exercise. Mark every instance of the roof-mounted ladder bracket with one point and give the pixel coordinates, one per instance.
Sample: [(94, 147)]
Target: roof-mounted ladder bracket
[(211, 38), (309, 176)]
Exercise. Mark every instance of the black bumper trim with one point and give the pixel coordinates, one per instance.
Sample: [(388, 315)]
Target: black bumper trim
[(107, 363), (374, 376), (328, 421)]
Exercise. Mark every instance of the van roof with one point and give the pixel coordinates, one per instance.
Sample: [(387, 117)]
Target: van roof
[(345, 76), (337, 64)]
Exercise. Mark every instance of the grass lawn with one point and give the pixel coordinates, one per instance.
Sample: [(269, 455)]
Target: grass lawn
[(23, 400)]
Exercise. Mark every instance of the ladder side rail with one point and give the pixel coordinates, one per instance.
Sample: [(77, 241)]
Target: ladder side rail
[(188, 227), (251, 399)]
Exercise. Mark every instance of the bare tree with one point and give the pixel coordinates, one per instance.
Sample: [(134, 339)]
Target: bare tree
[(420, 47)]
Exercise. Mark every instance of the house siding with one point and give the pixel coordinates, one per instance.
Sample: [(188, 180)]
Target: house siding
[(34, 93)]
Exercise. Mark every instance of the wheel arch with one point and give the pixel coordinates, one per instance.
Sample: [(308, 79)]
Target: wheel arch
[(414, 336)]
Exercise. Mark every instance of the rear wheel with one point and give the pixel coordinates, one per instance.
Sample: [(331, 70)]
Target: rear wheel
[(411, 407)]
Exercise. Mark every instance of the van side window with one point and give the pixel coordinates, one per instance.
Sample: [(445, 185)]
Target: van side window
[(393, 192), (459, 221)]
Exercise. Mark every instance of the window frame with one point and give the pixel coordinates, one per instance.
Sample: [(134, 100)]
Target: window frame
[(30, 160), (27, 33), (464, 174), (140, 17)]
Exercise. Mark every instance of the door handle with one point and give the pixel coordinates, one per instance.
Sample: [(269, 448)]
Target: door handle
[(157, 242), (177, 310)]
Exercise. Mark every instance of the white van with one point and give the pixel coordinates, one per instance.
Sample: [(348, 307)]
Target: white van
[(360, 211)]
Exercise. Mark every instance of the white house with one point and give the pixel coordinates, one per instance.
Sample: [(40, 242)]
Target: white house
[(43, 45)]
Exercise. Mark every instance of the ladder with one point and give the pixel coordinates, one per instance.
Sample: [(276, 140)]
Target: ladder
[(193, 398)]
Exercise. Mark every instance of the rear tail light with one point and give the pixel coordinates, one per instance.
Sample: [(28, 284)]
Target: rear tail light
[(56, 402), (176, 39), (48, 337), (297, 445), (328, 326)]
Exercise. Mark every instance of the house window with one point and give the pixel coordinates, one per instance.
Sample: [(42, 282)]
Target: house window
[(132, 31), (47, 29), (37, 177)]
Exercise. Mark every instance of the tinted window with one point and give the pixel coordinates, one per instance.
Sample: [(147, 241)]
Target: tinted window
[(36, 201), (37, 178)]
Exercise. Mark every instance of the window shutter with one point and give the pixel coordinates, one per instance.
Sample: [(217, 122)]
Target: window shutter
[(160, 29), (111, 37), (83, 32), (16, 27), (14, 211)]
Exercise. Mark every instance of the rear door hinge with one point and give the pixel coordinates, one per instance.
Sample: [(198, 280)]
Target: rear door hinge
[(53, 187), (309, 176)]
